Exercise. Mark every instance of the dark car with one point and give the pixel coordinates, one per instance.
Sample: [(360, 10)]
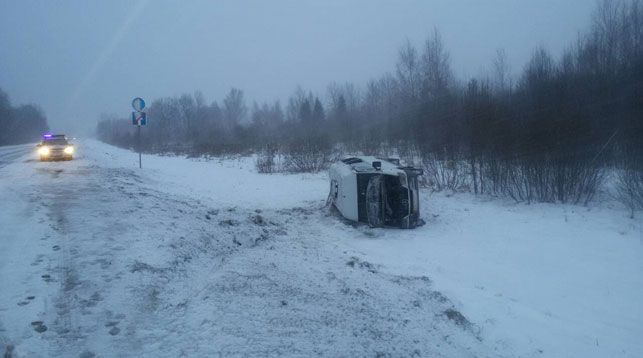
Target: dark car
[(55, 147)]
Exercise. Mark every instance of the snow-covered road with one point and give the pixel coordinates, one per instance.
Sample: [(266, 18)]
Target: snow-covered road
[(206, 258), (9, 154)]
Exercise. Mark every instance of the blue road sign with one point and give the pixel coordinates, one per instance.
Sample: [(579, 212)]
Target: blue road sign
[(138, 104), (139, 118)]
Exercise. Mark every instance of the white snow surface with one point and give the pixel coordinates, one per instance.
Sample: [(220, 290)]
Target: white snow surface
[(190, 257)]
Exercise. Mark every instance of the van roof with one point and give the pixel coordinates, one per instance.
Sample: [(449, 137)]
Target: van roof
[(364, 164)]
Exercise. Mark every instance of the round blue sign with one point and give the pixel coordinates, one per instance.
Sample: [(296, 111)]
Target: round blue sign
[(138, 104)]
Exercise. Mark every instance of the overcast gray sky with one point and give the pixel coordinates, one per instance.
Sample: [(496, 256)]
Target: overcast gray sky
[(77, 59)]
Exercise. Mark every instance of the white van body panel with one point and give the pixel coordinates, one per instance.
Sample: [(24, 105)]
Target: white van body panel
[(348, 190), (345, 181)]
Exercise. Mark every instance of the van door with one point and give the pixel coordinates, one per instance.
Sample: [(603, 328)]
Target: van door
[(374, 202)]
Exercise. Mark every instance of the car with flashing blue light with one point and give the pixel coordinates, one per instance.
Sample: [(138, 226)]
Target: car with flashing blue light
[(55, 147)]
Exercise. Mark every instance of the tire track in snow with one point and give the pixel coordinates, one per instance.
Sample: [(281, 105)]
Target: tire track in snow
[(8, 155), (60, 195), (77, 320)]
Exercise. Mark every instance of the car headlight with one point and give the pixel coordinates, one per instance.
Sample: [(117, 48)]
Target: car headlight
[(69, 150), (43, 151)]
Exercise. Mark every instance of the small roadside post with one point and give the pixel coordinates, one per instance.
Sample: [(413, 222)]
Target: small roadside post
[(139, 118)]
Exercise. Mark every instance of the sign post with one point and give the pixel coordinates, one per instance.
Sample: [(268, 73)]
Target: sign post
[(138, 140), (139, 118)]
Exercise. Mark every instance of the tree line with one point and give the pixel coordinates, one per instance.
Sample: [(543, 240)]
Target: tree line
[(549, 133), (21, 124)]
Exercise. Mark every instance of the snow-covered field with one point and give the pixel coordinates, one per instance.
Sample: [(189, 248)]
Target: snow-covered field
[(205, 258)]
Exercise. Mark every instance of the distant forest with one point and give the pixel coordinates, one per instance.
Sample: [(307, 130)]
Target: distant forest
[(551, 133), (22, 124)]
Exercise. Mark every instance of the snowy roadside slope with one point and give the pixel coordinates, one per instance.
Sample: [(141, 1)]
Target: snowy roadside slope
[(564, 280), (227, 182), (540, 280), (543, 280), (102, 258)]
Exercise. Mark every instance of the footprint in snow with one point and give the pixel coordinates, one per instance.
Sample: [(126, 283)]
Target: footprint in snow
[(39, 326)]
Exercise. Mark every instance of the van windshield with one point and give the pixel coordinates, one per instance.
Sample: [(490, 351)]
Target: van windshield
[(396, 203), (387, 201)]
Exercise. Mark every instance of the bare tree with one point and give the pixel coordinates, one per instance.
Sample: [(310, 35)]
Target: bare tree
[(409, 72), (234, 108), (436, 68), (501, 72)]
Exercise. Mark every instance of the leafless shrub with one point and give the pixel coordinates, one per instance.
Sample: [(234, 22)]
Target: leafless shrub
[(265, 161), (543, 180), (444, 174), (629, 189), (308, 156)]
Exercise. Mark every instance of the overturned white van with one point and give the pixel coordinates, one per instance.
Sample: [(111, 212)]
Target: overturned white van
[(376, 191)]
